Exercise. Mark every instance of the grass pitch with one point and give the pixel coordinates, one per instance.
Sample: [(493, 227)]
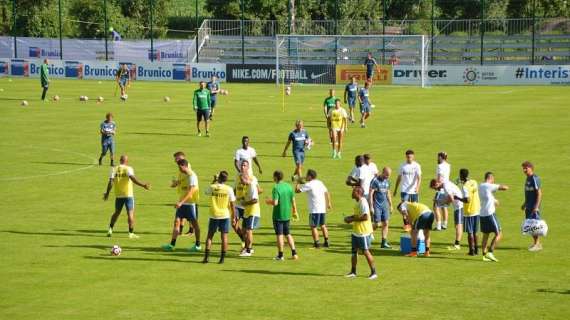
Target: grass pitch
[(55, 255)]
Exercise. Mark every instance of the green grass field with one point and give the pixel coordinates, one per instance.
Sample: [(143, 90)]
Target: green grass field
[(55, 253)]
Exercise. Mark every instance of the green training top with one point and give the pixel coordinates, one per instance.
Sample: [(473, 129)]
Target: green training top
[(283, 193), (202, 99), (44, 74), (330, 103)]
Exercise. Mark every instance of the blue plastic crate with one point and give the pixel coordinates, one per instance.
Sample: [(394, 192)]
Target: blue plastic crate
[(406, 245)]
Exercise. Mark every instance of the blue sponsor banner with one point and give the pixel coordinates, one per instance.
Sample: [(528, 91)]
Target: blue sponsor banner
[(4, 67), (20, 67), (180, 71), (74, 69)]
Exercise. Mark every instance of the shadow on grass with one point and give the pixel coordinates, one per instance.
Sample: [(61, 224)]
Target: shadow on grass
[(123, 258), (104, 232), (283, 273), (162, 134), (561, 291), (172, 119), (289, 156), (64, 163), (56, 233)]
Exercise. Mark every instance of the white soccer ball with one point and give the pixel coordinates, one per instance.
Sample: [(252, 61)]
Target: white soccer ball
[(116, 250), (124, 97), (166, 99), (56, 98), (534, 227), (83, 98), (24, 103), (100, 99), (288, 90), (344, 49)]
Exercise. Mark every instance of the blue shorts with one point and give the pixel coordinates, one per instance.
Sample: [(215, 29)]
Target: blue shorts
[(240, 212), (424, 221), (203, 114), (299, 157), (250, 223), (351, 102), (409, 197), (317, 220), (128, 202), (528, 214), (281, 227), (212, 102), (122, 83), (361, 242), (188, 212), (458, 216), (471, 224), (107, 144), (490, 224), (381, 214), (364, 108), (222, 225), (440, 196)]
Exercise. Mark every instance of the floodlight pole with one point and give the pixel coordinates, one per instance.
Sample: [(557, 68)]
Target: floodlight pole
[(151, 40), (60, 31), (242, 9), (106, 30), (432, 30), (14, 29)]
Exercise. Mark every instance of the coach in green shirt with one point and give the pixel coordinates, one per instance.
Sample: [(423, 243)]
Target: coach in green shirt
[(283, 202), (202, 103), (44, 78)]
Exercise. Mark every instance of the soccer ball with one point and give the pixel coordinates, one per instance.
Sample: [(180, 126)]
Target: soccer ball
[(56, 98), (124, 97), (83, 98), (166, 99), (226, 92), (100, 99), (288, 90), (24, 103), (344, 49), (116, 250)]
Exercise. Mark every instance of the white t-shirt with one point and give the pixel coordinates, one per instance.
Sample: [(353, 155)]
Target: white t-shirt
[(246, 154), (486, 194), (363, 173), (410, 172), (443, 169), (316, 196), (453, 190), (373, 169), (253, 193)]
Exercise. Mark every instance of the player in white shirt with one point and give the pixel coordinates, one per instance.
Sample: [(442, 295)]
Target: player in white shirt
[(373, 169), (447, 193), (246, 153), (319, 201), (442, 173), (410, 175), (360, 175), (489, 222)]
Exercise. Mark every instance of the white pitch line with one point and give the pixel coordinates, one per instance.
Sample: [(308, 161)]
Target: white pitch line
[(54, 173)]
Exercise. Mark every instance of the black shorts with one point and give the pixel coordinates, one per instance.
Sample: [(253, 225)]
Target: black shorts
[(205, 114), (281, 227)]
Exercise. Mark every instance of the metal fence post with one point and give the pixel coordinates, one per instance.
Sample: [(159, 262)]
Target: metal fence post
[(60, 31), (482, 28), (242, 33), (151, 40), (14, 29), (106, 30), (197, 35), (384, 15), (432, 31), (533, 31)]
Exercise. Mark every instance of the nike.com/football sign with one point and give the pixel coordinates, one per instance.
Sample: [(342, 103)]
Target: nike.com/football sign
[(291, 73)]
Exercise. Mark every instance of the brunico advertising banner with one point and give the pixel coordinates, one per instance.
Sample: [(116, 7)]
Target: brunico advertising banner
[(266, 73), (107, 70)]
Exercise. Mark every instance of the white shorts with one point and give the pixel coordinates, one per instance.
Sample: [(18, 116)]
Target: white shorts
[(337, 130)]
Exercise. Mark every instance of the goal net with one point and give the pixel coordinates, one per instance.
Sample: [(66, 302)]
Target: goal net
[(312, 58)]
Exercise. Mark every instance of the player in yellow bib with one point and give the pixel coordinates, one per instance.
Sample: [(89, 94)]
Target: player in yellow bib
[(222, 210), (122, 179), (471, 209), (421, 218), (188, 196), (361, 232), (338, 120), (249, 200)]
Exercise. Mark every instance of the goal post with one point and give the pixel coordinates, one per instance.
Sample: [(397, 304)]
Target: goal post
[(313, 58)]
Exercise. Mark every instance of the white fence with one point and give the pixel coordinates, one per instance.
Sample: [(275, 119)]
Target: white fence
[(79, 49)]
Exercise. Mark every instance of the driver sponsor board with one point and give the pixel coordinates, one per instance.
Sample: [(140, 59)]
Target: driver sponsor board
[(266, 73)]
